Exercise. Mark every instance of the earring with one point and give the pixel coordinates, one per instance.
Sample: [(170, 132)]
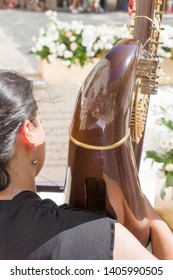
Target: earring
[(35, 162)]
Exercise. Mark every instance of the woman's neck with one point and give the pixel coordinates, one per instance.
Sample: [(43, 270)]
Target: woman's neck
[(22, 178), (12, 190)]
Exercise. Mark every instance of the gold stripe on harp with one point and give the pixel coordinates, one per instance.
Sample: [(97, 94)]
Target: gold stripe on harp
[(101, 148)]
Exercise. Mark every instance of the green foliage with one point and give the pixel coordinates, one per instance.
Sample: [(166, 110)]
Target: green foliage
[(166, 158), (155, 156), (168, 123), (169, 179)]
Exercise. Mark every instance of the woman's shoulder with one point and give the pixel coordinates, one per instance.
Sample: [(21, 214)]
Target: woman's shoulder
[(46, 210), (30, 198), (65, 215), (33, 199), (43, 220)]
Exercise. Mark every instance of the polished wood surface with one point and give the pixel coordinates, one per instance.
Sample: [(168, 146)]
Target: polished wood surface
[(102, 118)]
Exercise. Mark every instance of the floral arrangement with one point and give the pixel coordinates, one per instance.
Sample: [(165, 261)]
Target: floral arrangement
[(166, 36), (159, 145), (78, 43), (75, 42)]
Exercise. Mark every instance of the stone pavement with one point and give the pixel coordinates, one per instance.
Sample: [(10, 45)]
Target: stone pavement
[(11, 58)]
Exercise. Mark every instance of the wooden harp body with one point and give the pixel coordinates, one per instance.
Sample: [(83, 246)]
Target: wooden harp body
[(102, 172), (109, 115)]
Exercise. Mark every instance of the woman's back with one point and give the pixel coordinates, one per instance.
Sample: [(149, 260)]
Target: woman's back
[(29, 224)]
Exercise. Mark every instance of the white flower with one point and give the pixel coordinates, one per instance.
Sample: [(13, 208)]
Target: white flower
[(61, 49), (66, 62), (68, 34), (42, 31), (77, 26), (163, 53), (72, 38), (52, 47), (33, 49), (103, 39), (96, 47), (62, 25), (73, 46), (48, 13), (108, 46), (52, 15), (90, 52), (68, 54), (52, 34), (122, 32), (40, 44), (88, 36), (51, 57), (161, 140), (169, 167), (158, 137), (51, 28), (166, 36), (101, 45), (166, 33)]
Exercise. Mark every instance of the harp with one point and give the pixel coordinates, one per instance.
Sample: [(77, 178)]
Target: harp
[(109, 117)]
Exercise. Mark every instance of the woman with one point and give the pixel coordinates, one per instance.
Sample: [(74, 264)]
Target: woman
[(32, 228)]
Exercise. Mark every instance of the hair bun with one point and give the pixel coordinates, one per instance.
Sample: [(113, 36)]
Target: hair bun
[(4, 178)]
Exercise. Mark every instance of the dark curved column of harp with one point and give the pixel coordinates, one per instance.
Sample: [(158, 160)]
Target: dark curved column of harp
[(107, 179)]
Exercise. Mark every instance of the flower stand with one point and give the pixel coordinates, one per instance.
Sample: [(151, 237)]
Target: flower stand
[(164, 207), (166, 71), (57, 72)]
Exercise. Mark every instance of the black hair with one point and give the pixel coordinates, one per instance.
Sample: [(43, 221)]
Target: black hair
[(17, 104)]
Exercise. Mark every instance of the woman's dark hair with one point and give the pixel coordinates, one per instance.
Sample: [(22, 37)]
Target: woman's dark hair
[(17, 104)]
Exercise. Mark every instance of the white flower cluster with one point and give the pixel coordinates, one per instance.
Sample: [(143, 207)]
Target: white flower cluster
[(166, 37), (71, 41), (64, 39), (158, 137)]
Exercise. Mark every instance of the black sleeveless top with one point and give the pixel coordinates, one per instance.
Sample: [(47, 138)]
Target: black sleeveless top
[(32, 228)]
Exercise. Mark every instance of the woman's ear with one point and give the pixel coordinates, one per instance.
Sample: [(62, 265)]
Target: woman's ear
[(26, 133)]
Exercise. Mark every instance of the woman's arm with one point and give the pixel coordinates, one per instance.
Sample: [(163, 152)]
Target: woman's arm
[(161, 235), (127, 247)]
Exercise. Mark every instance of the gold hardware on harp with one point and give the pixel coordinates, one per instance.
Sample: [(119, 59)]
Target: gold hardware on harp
[(146, 75), (99, 148), (145, 85), (138, 114)]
